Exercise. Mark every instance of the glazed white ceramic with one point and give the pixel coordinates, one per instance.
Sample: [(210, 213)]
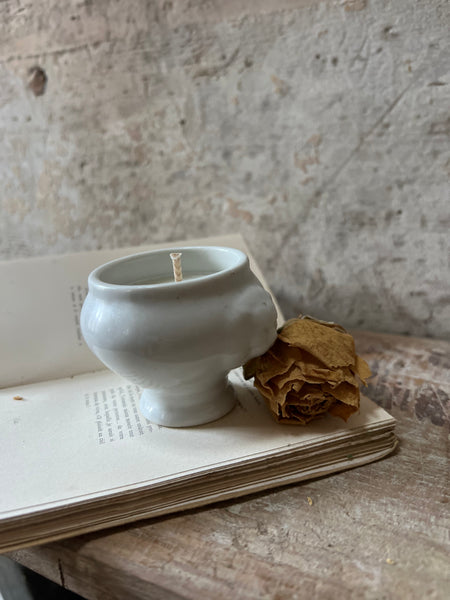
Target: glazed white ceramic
[(179, 340)]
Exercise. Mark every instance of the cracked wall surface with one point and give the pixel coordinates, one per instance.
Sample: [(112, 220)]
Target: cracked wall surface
[(319, 130)]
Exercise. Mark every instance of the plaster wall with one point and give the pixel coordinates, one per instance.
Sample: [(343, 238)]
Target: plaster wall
[(318, 129)]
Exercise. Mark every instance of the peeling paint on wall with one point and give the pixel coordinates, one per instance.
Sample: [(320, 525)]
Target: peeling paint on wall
[(37, 80)]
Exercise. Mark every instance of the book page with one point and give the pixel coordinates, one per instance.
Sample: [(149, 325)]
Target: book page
[(77, 439), (41, 299)]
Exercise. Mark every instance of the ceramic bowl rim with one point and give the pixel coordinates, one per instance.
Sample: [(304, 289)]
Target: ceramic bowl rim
[(96, 282)]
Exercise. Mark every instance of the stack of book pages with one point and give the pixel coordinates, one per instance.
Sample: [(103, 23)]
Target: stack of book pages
[(76, 455)]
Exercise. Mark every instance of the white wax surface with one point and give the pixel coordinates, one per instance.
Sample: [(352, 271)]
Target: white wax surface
[(170, 279)]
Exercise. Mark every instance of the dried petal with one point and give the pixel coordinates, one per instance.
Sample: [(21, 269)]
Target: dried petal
[(327, 344), (362, 369)]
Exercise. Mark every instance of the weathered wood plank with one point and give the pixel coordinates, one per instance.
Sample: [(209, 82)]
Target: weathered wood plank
[(379, 531)]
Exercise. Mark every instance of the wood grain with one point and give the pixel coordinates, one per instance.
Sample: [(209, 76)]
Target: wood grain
[(379, 531)]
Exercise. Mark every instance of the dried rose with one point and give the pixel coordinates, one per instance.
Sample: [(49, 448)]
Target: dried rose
[(311, 369)]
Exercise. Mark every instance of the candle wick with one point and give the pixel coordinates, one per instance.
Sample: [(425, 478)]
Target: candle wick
[(176, 263)]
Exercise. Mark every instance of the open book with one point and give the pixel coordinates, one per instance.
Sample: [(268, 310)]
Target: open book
[(76, 455)]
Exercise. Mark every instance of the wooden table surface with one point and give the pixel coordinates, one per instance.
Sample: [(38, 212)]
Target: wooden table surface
[(380, 531)]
